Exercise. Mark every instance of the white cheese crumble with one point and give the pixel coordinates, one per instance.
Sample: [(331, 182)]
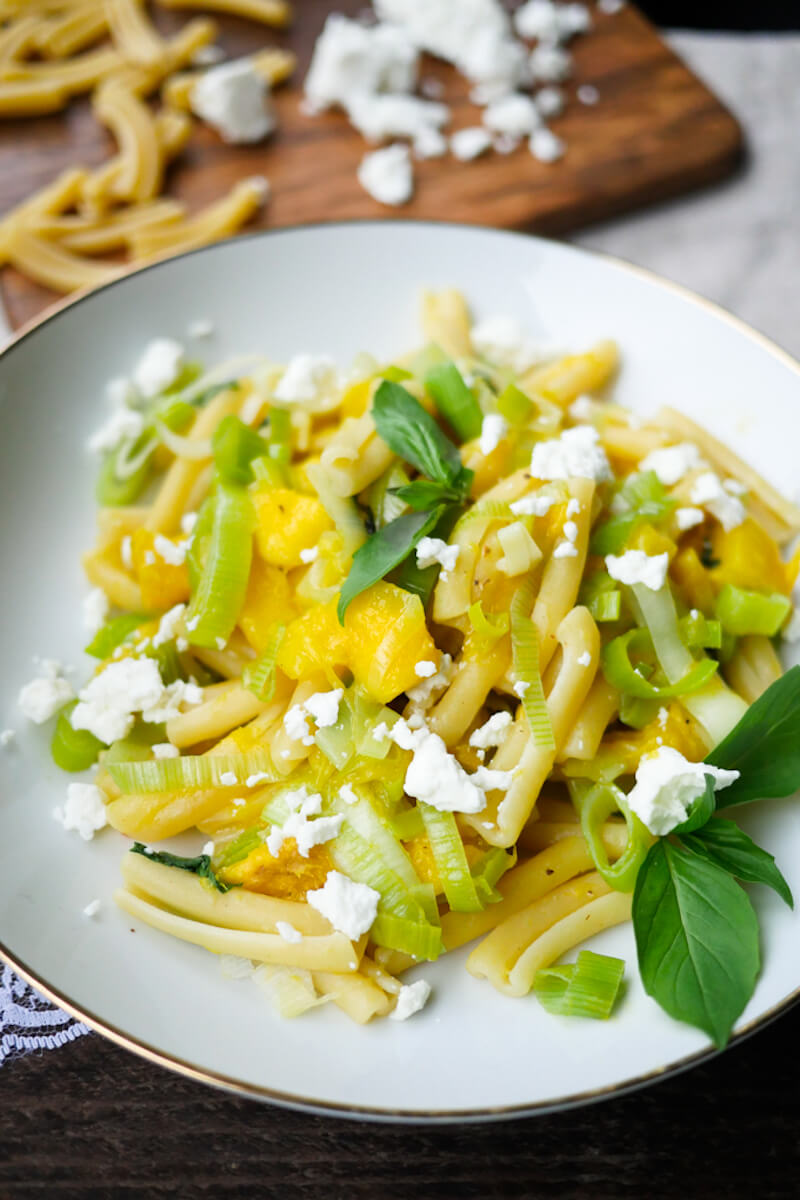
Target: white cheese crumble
[(550, 102), (95, 610), (425, 669), (378, 118), (609, 7), (505, 144), (165, 750), (158, 367), (387, 175), (504, 340), (123, 425), (436, 777), (199, 329), (588, 94), (430, 143), (573, 508), (84, 810), (411, 999), (228, 779), (188, 522), (350, 907), (634, 566), (581, 409), (169, 625), (173, 553), (470, 143), (520, 687), (515, 115), (351, 59), (347, 794), (288, 932), (92, 908), (307, 380), (550, 63), (41, 699), (585, 659), (546, 146), (666, 784), (532, 506), (570, 531), (565, 550), (422, 695), (492, 732), (432, 550), (234, 99), (324, 707), (671, 463), (494, 428), (309, 555), (576, 454), (708, 492), (687, 518), (109, 701), (256, 778), (7, 738), (297, 825)]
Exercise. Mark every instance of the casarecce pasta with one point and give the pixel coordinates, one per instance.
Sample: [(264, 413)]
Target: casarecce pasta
[(391, 643)]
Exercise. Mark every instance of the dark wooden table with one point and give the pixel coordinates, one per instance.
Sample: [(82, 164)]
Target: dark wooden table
[(95, 1121)]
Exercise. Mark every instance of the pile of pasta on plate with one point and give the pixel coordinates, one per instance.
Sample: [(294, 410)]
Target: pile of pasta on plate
[(416, 654)]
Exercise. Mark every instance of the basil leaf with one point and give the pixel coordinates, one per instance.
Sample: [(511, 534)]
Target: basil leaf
[(696, 937), (764, 746), (199, 865), (423, 494), (728, 846), (700, 810), (414, 436), (383, 551), (422, 580), (455, 401)]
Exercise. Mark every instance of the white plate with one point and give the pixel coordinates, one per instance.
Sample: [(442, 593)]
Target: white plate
[(339, 289)]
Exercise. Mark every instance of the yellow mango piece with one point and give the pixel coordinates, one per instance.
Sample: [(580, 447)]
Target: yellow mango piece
[(163, 584), (419, 851), (288, 877), (268, 600), (356, 398), (677, 731), (748, 558), (312, 640), (286, 523), (693, 580), (387, 637), (652, 541)]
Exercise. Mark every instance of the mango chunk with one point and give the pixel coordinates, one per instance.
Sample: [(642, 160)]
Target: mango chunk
[(288, 877), (286, 523), (387, 637), (163, 583), (748, 558), (268, 601)]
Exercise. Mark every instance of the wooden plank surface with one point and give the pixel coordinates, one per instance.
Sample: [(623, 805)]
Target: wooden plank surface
[(656, 131)]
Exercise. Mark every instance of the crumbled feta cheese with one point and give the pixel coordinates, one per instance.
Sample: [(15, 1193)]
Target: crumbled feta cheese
[(516, 115), (351, 59), (411, 998), (504, 341), (609, 7), (671, 463), (470, 143), (158, 367), (430, 143), (288, 932), (520, 687), (708, 492), (565, 550), (309, 380), (546, 146), (41, 699), (634, 566), (295, 722), (532, 506), (588, 94), (550, 64), (490, 780), (734, 487), (573, 508), (165, 750), (387, 175), (687, 518), (585, 659), (492, 732), (505, 144), (169, 625), (581, 409), (173, 553), (123, 425), (378, 118), (432, 550), (570, 531), (494, 428), (84, 811), (108, 702), (234, 99), (7, 738), (228, 779), (199, 329), (297, 825), (422, 695), (347, 794), (434, 776), (172, 700), (311, 554), (425, 668), (92, 908), (323, 707), (550, 102), (95, 610), (350, 907), (188, 522), (577, 453), (666, 784)]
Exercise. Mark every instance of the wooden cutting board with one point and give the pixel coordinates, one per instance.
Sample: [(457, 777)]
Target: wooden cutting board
[(656, 131)]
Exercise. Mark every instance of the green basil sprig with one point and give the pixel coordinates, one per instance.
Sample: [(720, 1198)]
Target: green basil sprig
[(696, 931), (415, 437)]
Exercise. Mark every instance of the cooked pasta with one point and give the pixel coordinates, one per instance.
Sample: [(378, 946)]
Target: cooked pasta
[(407, 698)]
